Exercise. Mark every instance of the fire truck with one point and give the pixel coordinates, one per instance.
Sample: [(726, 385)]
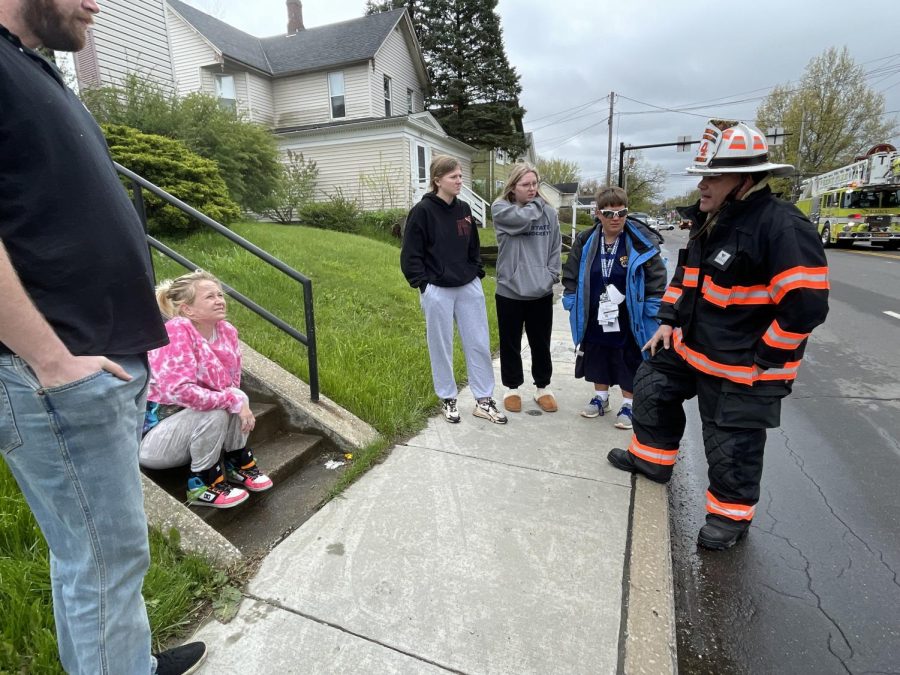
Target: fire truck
[(857, 202)]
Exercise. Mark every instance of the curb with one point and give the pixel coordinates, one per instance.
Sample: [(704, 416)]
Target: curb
[(164, 512), (650, 642), (326, 417)]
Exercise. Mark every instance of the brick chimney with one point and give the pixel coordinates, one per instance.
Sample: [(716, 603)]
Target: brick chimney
[(295, 16)]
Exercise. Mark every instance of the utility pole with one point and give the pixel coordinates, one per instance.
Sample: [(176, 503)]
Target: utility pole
[(799, 148), (612, 102)]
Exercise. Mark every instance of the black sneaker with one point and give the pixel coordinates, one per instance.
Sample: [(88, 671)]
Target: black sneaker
[(181, 660)]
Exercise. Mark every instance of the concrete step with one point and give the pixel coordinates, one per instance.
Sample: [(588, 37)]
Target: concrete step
[(268, 422)]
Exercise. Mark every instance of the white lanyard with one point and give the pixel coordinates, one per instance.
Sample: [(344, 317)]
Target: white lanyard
[(608, 260)]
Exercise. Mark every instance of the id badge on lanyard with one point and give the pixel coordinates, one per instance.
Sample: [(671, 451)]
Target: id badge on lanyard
[(611, 298)]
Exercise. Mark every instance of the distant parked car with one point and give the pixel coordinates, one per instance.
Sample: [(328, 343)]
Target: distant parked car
[(644, 218), (668, 225)]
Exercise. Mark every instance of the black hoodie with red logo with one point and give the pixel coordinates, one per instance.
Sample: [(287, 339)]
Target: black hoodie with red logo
[(440, 244)]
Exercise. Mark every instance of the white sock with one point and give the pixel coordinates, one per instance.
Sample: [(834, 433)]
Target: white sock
[(511, 392), (542, 391), (602, 395), (627, 401)]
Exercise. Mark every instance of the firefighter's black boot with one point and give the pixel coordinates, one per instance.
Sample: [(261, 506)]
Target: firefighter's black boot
[(721, 533), (624, 460)]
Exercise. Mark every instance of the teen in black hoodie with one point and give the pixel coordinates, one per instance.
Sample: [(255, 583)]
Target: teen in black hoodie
[(440, 257)]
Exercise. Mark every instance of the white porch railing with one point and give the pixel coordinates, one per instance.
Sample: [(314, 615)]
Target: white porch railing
[(478, 205)]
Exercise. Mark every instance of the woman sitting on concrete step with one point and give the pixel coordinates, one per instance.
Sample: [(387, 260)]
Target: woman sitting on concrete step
[(195, 408)]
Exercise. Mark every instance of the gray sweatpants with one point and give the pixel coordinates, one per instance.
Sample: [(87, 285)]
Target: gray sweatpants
[(195, 436), (464, 304)]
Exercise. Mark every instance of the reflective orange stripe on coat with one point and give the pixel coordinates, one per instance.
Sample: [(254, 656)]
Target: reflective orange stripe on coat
[(672, 294), (779, 338), (815, 278), (652, 455), (739, 374), (723, 296), (691, 277), (732, 511)]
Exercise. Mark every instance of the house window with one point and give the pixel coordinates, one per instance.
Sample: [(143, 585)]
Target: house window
[(336, 91), (409, 101), (387, 96), (421, 163), (225, 91)]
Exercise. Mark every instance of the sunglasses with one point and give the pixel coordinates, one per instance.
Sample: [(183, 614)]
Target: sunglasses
[(608, 213)]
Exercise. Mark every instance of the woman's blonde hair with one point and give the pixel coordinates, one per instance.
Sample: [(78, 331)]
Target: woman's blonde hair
[(441, 165), (171, 294), (518, 172)]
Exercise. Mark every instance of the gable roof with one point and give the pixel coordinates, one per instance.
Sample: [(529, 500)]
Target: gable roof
[(567, 188), (310, 49)]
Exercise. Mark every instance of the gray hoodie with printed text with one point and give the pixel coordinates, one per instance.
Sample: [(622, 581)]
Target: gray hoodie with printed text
[(528, 248)]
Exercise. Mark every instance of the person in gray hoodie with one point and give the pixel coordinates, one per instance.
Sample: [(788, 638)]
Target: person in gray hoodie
[(528, 265)]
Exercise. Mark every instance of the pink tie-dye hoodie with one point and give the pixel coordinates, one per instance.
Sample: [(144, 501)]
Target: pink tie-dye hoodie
[(195, 373)]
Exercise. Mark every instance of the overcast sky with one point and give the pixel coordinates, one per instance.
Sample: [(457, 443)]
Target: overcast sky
[(720, 59)]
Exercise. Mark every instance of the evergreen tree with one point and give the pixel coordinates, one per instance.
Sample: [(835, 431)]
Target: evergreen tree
[(475, 91)]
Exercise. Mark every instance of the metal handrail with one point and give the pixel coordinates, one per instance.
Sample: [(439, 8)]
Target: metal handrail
[(138, 184)]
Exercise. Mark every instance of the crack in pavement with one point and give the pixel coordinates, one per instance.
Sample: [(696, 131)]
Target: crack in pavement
[(806, 570), (343, 629), (875, 552), (818, 599)]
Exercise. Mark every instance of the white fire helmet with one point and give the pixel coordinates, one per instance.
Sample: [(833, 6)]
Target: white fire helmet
[(734, 147)]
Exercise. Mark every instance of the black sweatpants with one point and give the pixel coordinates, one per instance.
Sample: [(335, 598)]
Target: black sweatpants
[(734, 418), (537, 318)]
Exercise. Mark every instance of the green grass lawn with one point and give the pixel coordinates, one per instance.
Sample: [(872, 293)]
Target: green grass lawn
[(372, 360), (176, 588), (370, 331)]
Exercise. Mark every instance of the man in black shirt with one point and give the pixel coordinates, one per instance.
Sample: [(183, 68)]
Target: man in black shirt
[(77, 316)]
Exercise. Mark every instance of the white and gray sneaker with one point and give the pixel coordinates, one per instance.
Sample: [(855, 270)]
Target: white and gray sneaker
[(596, 408), (448, 407), (624, 419), (487, 408)]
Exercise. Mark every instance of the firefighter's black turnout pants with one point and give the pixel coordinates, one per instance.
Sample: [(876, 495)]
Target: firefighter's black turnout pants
[(734, 417)]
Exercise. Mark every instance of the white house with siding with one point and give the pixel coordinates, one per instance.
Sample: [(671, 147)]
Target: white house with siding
[(349, 95)]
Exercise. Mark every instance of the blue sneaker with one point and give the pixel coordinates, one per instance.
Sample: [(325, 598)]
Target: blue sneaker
[(624, 419), (596, 408)]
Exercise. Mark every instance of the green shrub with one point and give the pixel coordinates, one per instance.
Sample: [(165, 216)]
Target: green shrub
[(180, 172), (245, 152), (339, 214), (295, 189), (582, 218), (387, 222)]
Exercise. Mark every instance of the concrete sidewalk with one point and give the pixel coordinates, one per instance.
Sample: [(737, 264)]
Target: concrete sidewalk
[(474, 548)]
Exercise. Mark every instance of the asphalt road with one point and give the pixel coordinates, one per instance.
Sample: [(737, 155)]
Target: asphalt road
[(814, 588)]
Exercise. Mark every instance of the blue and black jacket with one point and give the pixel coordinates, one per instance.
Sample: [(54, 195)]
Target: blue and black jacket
[(646, 280)]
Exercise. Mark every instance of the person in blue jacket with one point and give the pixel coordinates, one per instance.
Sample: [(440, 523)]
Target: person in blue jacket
[(613, 280)]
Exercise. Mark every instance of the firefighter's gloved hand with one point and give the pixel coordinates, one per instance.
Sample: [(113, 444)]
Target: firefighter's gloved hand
[(664, 334)]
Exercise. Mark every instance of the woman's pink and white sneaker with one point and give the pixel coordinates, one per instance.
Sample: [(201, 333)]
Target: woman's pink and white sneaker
[(248, 477)]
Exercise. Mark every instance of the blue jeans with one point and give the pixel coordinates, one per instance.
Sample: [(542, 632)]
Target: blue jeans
[(73, 450)]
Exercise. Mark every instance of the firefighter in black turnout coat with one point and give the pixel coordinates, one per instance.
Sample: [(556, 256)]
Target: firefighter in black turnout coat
[(749, 288)]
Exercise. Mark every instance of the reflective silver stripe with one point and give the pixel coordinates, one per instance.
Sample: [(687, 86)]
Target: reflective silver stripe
[(761, 294), (774, 339), (672, 294), (742, 512), (715, 296), (661, 457), (778, 373), (712, 368), (777, 288), (691, 277)]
